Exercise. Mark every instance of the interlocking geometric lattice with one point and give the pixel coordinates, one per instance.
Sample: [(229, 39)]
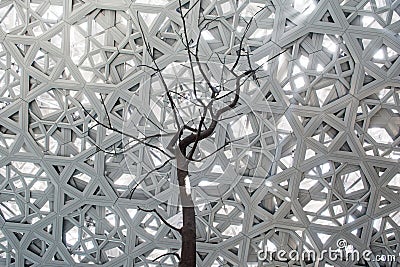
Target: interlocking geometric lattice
[(323, 166)]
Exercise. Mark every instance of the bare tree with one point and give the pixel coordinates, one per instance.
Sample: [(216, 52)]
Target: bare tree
[(212, 100)]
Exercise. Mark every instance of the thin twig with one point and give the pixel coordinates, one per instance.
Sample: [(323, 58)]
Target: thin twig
[(241, 44), (191, 8), (164, 84), (167, 254), (147, 175), (161, 218), (123, 133), (188, 51), (218, 149), (105, 108), (125, 148)]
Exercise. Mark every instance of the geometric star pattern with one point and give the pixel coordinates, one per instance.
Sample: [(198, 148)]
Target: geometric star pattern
[(321, 123)]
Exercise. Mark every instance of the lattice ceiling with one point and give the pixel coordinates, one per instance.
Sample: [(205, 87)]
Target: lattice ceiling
[(318, 129)]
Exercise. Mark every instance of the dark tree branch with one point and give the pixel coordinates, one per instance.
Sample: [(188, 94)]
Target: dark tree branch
[(248, 24), (161, 218), (150, 120), (147, 66), (203, 117), (125, 147), (195, 138), (123, 133), (187, 98), (196, 54), (147, 175), (190, 7), (186, 44), (105, 108), (241, 44), (167, 254), (164, 84), (216, 151)]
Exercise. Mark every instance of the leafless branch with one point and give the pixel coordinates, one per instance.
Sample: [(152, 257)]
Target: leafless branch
[(191, 7), (124, 133), (195, 138), (164, 84), (167, 254), (187, 98), (147, 175), (147, 66), (190, 155), (161, 218), (216, 151), (241, 44), (105, 108), (186, 43), (196, 54), (126, 147)]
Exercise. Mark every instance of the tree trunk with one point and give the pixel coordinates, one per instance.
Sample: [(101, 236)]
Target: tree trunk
[(188, 230), (188, 255)]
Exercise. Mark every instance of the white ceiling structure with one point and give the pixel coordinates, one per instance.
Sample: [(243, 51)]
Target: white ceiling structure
[(314, 145)]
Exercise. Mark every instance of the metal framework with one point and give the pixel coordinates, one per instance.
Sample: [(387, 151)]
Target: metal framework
[(313, 148)]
